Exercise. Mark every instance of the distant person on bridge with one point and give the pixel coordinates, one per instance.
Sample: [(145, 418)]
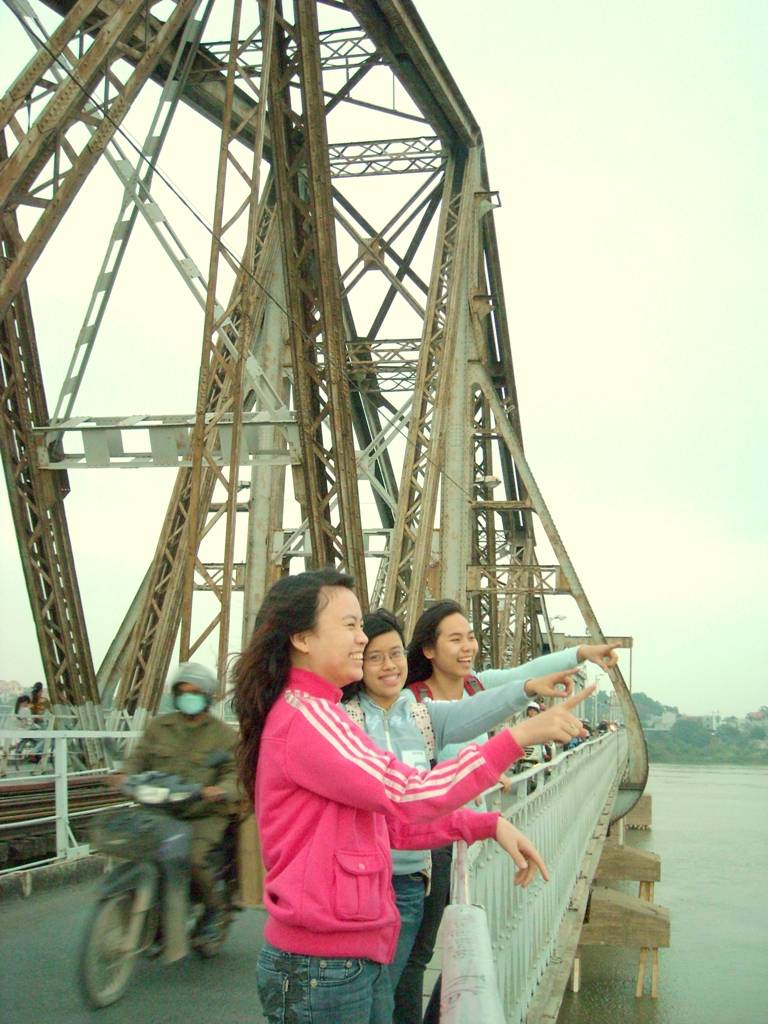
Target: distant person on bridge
[(537, 752), (181, 743), (413, 732), (39, 705), (441, 657), (330, 804), (21, 720), (22, 713)]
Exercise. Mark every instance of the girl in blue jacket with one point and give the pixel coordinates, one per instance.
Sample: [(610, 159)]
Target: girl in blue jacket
[(414, 732)]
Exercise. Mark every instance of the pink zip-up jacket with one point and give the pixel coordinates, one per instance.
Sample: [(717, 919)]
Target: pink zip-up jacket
[(330, 803)]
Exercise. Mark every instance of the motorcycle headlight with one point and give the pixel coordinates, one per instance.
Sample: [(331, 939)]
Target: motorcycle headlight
[(151, 794)]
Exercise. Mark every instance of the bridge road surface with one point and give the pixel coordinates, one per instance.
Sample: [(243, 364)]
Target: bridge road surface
[(40, 940)]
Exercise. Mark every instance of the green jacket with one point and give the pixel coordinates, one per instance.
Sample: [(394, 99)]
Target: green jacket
[(176, 743)]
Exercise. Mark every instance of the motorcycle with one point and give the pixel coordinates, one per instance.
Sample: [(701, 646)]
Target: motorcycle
[(147, 903)]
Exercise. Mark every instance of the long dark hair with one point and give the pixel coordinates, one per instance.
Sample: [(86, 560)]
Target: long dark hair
[(261, 670), (425, 635), (374, 624), (23, 699)]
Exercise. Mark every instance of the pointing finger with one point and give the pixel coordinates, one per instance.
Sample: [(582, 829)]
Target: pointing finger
[(577, 698), (534, 857), (513, 850), (566, 681)]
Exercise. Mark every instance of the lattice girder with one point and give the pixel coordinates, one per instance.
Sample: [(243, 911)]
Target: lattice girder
[(385, 294)]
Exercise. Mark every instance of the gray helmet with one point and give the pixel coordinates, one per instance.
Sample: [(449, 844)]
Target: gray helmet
[(197, 675)]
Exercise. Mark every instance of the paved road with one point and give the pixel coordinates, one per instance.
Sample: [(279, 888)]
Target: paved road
[(39, 946)]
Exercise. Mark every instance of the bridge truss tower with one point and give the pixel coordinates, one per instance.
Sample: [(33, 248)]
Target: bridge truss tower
[(355, 396)]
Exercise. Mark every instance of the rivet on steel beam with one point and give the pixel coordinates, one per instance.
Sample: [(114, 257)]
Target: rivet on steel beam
[(371, 252), (481, 302)]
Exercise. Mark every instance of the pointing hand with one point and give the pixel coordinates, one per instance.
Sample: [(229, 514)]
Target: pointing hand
[(557, 724), (527, 858), (557, 684), (602, 655)]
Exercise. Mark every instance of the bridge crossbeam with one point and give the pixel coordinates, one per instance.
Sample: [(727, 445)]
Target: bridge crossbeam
[(135, 442)]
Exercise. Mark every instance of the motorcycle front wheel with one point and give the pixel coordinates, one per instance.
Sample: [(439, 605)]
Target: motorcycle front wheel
[(106, 961)]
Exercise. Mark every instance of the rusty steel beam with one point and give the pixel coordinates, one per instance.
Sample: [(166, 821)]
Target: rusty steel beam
[(406, 46), (313, 291), (21, 170), (225, 366), (37, 506), (411, 543), (142, 664)]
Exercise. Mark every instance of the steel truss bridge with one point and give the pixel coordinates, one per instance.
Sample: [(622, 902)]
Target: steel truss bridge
[(355, 400)]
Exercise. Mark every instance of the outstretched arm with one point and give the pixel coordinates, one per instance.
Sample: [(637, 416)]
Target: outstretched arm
[(457, 721), (327, 754), (560, 661), (471, 826), (602, 655)]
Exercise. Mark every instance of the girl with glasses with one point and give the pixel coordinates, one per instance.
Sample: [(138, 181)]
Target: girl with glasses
[(414, 731)]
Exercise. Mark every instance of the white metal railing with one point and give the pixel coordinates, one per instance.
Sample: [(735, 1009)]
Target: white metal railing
[(519, 926), (58, 742)]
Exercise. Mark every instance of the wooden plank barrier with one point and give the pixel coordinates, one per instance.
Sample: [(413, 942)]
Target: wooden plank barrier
[(615, 918)]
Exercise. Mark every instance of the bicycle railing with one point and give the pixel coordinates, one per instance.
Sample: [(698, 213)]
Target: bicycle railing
[(499, 939), (58, 742)]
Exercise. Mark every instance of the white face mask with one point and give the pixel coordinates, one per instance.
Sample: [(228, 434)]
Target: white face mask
[(191, 703), (24, 714)]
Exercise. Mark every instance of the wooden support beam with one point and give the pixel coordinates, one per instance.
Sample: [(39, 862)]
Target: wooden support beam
[(624, 863), (616, 919)]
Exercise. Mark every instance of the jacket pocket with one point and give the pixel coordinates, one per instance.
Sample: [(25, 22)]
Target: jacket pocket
[(359, 879)]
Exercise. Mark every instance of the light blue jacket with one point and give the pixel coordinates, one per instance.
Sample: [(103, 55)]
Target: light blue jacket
[(455, 723), (492, 678)]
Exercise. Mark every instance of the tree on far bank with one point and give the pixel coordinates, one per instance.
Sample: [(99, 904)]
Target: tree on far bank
[(690, 731)]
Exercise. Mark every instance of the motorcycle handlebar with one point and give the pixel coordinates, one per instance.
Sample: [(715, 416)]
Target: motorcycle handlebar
[(157, 789)]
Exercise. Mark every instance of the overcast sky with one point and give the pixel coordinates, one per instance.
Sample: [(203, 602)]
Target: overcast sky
[(628, 144)]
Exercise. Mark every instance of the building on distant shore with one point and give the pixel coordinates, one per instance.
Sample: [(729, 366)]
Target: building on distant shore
[(11, 688), (662, 722)]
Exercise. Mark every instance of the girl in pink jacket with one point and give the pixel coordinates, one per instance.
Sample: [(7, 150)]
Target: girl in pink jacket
[(330, 804)]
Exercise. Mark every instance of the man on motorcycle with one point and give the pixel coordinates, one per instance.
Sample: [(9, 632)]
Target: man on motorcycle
[(193, 744)]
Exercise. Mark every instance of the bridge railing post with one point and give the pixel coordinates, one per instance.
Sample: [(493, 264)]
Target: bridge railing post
[(53, 822), (61, 796)]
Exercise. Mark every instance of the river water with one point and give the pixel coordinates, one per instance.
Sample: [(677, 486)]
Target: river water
[(710, 827)]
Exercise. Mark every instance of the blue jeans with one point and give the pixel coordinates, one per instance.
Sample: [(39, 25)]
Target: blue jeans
[(297, 989), (408, 996), (409, 896)]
